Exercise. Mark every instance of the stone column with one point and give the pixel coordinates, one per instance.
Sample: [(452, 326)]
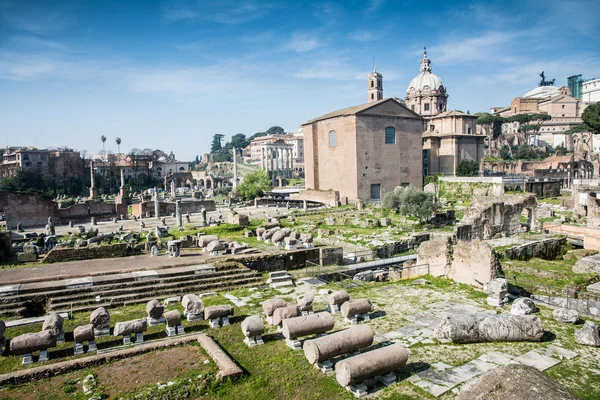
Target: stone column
[(292, 162), (178, 213), (93, 190), (156, 204), (173, 190), (235, 177), (122, 177), (277, 156)]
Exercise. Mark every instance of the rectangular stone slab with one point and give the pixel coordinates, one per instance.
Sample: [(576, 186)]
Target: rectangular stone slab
[(79, 282), (9, 290), (536, 360), (145, 275)]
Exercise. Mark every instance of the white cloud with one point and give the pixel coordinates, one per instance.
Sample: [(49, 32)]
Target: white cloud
[(333, 69), (364, 36), (303, 42), (221, 11), (374, 5), (32, 19)]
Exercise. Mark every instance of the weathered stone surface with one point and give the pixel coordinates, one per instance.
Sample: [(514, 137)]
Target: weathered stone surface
[(565, 315), (213, 312), (83, 333), (481, 327), (511, 328), (371, 364), (282, 313), (278, 236), (192, 304), (129, 327), (271, 305), (516, 382), (339, 297), (100, 318), (338, 343), (253, 326), (172, 318), (305, 303), (268, 234), (203, 241), (260, 231), (26, 257), (589, 264), (307, 325), (53, 323), (356, 307), (154, 309), (523, 306), (227, 367), (365, 276), (215, 246), (471, 262), (30, 342), (588, 335), (306, 237)]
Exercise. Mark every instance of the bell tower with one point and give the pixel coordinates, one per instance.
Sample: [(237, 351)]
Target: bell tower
[(375, 88)]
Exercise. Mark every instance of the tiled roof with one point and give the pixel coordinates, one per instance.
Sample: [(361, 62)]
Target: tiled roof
[(360, 108)]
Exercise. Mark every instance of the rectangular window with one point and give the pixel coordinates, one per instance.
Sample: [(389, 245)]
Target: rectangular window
[(376, 192), (426, 107), (390, 135), (332, 139)]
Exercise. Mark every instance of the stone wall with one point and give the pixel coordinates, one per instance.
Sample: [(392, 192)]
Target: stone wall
[(32, 209), (292, 260), (546, 249), (473, 263), (5, 246), (469, 187), (544, 188), (86, 253), (167, 208), (327, 197), (590, 236), (490, 216)]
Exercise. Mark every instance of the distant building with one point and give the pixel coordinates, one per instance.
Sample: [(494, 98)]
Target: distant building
[(575, 85), (49, 162), (168, 165), (590, 92), (450, 138), (258, 146), (364, 151), (426, 94)]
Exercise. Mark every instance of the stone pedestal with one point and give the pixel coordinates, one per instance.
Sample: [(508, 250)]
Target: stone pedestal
[(61, 337), (92, 346), (358, 390), (78, 349), (101, 332), (193, 317), (357, 318), (155, 322), (27, 359), (180, 330), (325, 366), (253, 341), (139, 338), (93, 192), (294, 344), (126, 339), (387, 380), (43, 356), (334, 308)]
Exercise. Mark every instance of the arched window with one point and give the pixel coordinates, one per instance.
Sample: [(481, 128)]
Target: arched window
[(372, 83), (390, 135), (372, 96), (181, 169), (332, 139)]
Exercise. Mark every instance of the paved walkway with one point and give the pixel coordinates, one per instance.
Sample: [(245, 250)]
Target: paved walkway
[(72, 269)]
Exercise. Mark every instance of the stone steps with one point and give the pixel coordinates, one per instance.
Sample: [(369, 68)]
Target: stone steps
[(116, 296), (141, 286), (123, 289), (136, 299)]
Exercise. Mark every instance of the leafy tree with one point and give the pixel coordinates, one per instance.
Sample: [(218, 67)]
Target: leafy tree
[(416, 203), (505, 153), (525, 152), (560, 150), (216, 146), (492, 124), (103, 140), (391, 200), (577, 129), (591, 117), (275, 130), (467, 168), (255, 184), (239, 141)]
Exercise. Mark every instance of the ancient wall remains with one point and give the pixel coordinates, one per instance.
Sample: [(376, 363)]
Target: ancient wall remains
[(167, 208), (491, 216), (86, 253), (327, 197), (468, 187), (473, 263)]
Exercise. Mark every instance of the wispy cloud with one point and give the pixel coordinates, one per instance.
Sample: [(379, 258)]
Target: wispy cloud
[(338, 69), (303, 42), (222, 11), (361, 35), (39, 20), (373, 6)]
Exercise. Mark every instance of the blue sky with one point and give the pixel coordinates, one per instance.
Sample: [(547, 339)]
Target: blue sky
[(170, 74)]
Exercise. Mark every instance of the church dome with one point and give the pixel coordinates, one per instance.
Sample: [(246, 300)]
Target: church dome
[(426, 78)]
